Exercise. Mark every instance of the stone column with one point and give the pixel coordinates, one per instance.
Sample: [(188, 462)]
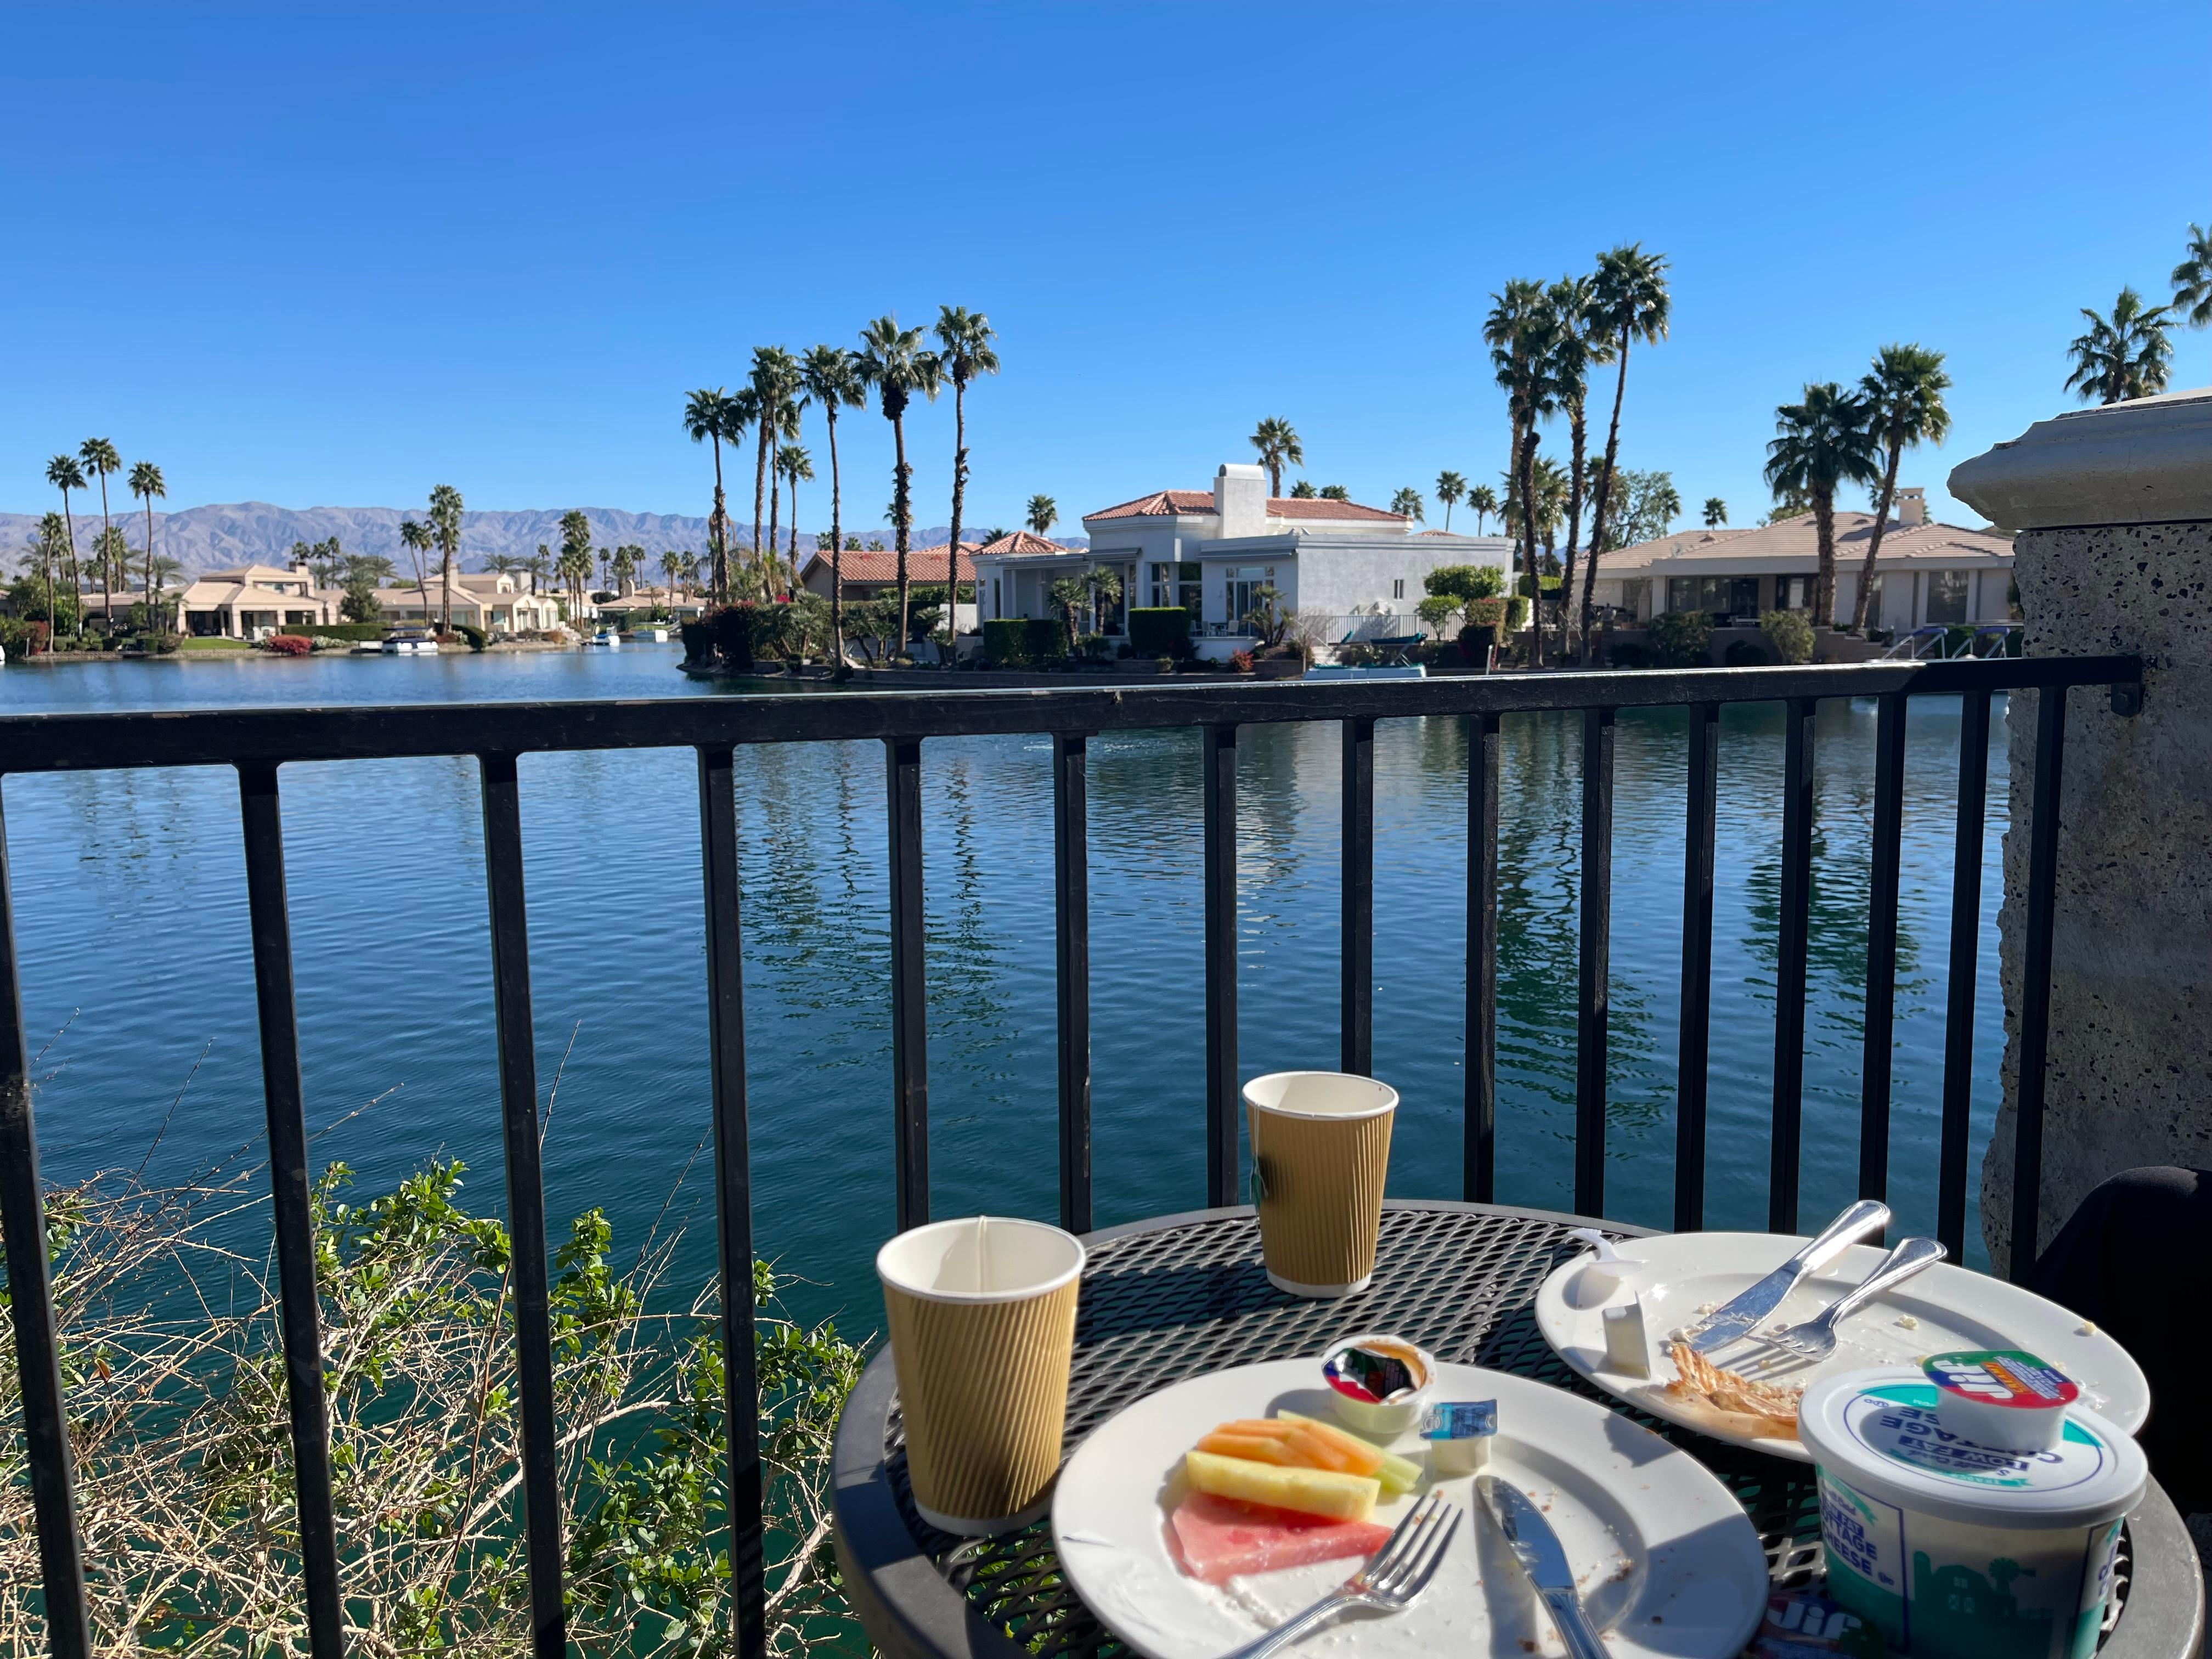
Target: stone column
[(2113, 511)]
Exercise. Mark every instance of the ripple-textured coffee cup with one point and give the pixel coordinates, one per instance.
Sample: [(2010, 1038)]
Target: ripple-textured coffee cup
[(1320, 1146), (982, 1318)]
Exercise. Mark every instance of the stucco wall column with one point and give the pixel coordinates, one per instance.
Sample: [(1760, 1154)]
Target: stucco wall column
[(2114, 553)]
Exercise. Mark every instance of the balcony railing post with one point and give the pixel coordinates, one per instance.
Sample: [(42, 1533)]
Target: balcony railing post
[(1356, 921), (1874, 1063), (1965, 963), (1479, 1173), (909, 1003), (1218, 746), (1071, 859), (31, 1311), (1692, 1043), (1594, 999), (261, 818), (733, 1212), (525, 1200), (1789, 962), (2035, 980)]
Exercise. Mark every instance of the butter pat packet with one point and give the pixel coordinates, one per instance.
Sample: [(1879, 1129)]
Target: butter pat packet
[(1459, 1433)]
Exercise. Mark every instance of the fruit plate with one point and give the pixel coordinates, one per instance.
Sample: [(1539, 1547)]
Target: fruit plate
[(1667, 1562), (1941, 1310)]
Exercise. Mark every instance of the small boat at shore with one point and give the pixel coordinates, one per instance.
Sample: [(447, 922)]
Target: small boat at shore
[(409, 642), (607, 637)]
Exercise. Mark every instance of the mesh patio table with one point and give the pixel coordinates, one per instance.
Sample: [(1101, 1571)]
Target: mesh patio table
[(1182, 1296)]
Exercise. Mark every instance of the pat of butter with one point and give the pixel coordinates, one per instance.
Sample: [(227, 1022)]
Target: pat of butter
[(1626, 1351), (1459, 1433)]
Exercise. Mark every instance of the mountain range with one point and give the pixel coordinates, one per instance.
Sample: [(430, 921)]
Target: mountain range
[(224, 535)]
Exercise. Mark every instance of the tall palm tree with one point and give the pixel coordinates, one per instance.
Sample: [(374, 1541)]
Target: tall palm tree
[(574, 566), (1903, 397), (745, 414), (1279, 447), (1407, 504), (446, 525), (964, 339), (1716, 512), (2192, 282), (774, 379), (1482, 501), (834, 383), (146, 484), (540, 566), (672, 568), (891, 362), (1580, 343), (797, 467), (1043, 513), (787, 412), (1451, 490), (707, 414), (1825, 441), (1629, 302), (65, 474), (100, 458), (52, 548), (158, 572), (1519, 332), (417, 539), (2124, 356)]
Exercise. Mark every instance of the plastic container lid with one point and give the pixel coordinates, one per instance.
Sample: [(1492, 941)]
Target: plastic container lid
[(2000, 1397), (1878, 1431)]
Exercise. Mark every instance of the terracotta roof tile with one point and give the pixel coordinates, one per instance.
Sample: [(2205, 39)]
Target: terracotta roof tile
[(923, 564), (1022, 544), (1796, 538), (1165, 504)]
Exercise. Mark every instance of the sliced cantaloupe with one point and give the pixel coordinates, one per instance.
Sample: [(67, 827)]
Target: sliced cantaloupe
[(1256, 1447), (1398, 1476), (1325, 1492)]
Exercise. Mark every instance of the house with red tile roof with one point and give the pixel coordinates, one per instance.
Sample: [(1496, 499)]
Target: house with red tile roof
[(1356, 570)]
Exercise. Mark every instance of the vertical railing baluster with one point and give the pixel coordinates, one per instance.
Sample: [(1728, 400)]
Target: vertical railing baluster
[(2035, 979), (1479, 1173), (1965, 963), (1874, 1062), (526, 1199), (1218, 744), (1790, 963), (1356, 929), (31, 1310), (262, 819), (734, 1204), (1593, 1000), (1071, 870), (1692, 1043), (909, 1009)]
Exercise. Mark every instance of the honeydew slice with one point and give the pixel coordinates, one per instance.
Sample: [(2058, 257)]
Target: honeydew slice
[(1325, 1492), (1398, 1476)]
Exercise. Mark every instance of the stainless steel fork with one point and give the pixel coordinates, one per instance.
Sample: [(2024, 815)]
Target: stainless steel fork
[(1390, 1578), (1816, 1338)]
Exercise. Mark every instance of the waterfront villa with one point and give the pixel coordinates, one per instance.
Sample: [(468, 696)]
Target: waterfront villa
[(254, 602), (1926, 573), (1356, 569), (493, 600), (871, 573)]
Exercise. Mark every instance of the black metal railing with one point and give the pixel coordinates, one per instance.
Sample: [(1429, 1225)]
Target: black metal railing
[(257, 742)]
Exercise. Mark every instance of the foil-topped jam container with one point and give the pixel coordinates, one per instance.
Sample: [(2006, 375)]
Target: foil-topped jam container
[(2001, 1398), (1379, 1382)]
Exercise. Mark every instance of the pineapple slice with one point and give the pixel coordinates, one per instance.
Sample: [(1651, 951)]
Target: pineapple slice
[(1325, 1492), (1398, 1476)]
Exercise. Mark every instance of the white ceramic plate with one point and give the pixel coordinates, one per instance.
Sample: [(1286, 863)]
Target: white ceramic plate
[(1942, 1308), (1669, 1564)]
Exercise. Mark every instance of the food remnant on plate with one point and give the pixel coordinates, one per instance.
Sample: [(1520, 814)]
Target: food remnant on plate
[(1376, 1371), (1761, 1410), (2088, 1328), (1907, 1322), (1329, 1493), (1704, 1308), (1626, 1350), (1459, 1433), (1217, 1539)]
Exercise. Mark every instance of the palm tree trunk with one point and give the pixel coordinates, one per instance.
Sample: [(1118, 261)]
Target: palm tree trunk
[(836, 554), (760, 482), (791, 562), (1577, 436), (775, 494), (1604, 490), (899, 499), (718, 532), (107, 561), (1528, 535), (1873, 541), (151, 622), (1824, 582), (1448, 508), (959, 489)]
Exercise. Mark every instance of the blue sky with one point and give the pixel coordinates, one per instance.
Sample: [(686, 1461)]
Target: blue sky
[(334, 256)]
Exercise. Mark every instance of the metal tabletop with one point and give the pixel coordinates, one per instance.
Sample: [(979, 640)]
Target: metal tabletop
[(1184, 1294)]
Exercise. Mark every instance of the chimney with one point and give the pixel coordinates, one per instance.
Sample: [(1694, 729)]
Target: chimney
[(1240, 496), (1911, 505)]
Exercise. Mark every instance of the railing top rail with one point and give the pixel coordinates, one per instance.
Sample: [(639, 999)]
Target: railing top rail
[(66, 742)]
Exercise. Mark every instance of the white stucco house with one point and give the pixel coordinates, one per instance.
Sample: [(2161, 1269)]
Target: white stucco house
[(1358, 570)]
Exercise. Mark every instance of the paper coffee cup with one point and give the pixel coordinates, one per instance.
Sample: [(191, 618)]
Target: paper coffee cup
[(982, 1319), (1320, 1149)]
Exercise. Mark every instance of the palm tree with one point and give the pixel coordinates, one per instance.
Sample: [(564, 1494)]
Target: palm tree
[(146, 484), (416, 538), (787, 412), (708, 418), (797, 467), (965, 337), (1303, 491), (833, 382), (1519, 332), (540, 566), (1824, 441), (892, 363), (1407, 504), (1629, 302), (52, 548), (574, 566), (2192, 282), (1451, 490), (774, 379), (1716, 512), (1904, 397), (1579, 344), (673, 565), (101, 459), (2124, 356), (65, 474), (1043, 513), (445, 524), (158, 572), (1482, 501), (1279, 447)]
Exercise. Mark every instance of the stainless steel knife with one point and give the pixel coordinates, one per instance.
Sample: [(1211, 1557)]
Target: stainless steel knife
[(1536, 1547), (1726, 1324)]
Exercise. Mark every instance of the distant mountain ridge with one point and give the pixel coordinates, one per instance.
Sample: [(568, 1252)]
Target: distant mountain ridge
[(224, 536)]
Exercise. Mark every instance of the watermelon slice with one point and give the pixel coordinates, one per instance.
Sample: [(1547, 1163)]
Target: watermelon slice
[(1218, 1539)]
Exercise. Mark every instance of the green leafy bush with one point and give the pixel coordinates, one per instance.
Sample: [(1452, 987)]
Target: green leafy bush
[(1790, 634), (476, 636), (1746, 653), (1465, 582), (1024, 641), (736, 629), (1159, 630), (1682, 638), (1629, 654)]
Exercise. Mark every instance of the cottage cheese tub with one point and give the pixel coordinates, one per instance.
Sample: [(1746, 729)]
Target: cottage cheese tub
[(1953, 1549)]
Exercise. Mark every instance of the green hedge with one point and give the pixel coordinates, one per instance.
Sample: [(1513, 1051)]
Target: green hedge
[(1682, 638), (1025, 642), (357, 631), (1159, 630)]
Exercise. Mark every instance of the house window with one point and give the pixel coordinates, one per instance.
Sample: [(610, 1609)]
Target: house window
[(1724, 596), (1947, 596), (996, 610), (1636, 596), (1247, 586), (1177, 584), (1793, 593), (1398, 588)]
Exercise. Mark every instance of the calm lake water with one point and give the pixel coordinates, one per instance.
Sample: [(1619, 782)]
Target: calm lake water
[(131, 912)]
